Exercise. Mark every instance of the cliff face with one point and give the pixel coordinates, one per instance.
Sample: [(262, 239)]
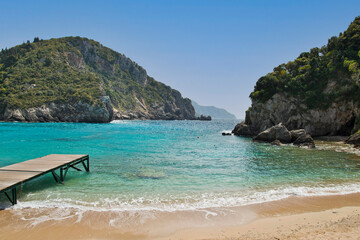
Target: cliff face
[(319, 91), (75, 79), (337, 119)]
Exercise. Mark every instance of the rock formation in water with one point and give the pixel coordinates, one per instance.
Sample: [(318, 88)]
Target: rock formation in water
[(75, 79), (279, 134), (354, 140), (319, 91)]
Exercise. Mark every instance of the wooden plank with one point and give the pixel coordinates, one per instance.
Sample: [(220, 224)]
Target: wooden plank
[(10, 178), (32, 167), (15, 174), (44, 164), (62, 157)]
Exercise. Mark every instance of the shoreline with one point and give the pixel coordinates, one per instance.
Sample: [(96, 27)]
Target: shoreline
[(322, 217), (291, 218)]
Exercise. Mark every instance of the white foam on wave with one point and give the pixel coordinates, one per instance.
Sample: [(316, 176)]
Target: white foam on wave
[(189, 203), (137, 211), (57, 214), (338, 147), (120, 121)]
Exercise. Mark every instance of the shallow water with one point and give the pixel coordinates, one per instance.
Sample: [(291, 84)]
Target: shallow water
[(169, 166)]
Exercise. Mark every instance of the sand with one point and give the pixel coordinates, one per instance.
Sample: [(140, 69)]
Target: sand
[(338, 223), (328, 217)]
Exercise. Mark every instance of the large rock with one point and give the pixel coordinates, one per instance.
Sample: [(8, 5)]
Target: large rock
[(354, 139), (277, 132), (297, 133), (305, 140), (242, 129), (276, 143)]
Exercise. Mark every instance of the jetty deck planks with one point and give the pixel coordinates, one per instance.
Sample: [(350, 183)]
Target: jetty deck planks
[(16, 174)]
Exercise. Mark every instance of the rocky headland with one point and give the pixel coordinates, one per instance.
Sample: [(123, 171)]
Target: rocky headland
[(76, 79), (318, 92)]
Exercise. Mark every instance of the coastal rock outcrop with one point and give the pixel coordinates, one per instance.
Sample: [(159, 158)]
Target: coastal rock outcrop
[(354, 140), (337, 119), (305, 140), (297, 133), (276, 143), (59, 112), (242, 129), (318, 91), (279, 134), (76, 79)]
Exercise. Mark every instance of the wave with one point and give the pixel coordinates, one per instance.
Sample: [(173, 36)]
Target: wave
[(189, 202)]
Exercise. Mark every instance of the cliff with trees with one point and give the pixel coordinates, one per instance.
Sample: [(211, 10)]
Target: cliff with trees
[(78, 80), (318, 91)]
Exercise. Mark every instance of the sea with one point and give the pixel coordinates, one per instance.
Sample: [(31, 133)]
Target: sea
[(142, 169)]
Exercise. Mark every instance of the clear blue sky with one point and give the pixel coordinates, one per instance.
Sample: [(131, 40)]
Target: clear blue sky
[(211, 51)]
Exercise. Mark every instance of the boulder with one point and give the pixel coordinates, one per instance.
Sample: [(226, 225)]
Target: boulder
[(305, 140), (277, 132), (297, 133), (354, 139), (276, 143), (242, 129)]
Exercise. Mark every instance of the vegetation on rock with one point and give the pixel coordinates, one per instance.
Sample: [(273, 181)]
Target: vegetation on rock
[(72, 70), (307, 77)]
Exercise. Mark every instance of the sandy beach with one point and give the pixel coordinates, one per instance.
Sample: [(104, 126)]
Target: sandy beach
[(336, 217), (327, 217), (338, 223)]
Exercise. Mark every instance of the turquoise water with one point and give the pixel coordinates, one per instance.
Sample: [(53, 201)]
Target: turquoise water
[(170, 166)]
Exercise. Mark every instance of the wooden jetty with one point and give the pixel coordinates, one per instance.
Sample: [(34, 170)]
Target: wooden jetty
[(15, 175)]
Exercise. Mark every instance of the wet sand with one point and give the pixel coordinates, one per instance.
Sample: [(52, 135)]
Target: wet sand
[(328, 217), (331, 217)]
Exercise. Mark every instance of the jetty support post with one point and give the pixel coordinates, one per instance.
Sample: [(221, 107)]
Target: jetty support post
[(12, 199), (48, 164), (57, 177), (87, 164)]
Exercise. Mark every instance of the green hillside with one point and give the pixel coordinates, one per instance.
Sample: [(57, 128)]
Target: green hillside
[(72, 69), (307, 77)]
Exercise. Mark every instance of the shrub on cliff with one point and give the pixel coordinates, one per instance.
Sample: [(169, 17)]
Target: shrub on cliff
[(306, 77), (73, 69)]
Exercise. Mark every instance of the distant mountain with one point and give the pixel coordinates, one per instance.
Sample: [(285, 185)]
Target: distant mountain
[(214, 112), (75, 79)]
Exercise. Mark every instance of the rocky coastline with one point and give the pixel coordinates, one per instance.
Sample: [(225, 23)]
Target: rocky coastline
[(336, 120), (277, 135), (316, 92), (101, 113), (80, 80)]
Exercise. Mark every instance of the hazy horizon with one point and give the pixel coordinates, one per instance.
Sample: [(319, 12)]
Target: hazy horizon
[(213, 52)]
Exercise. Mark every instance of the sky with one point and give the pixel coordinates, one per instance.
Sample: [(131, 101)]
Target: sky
[(213, 52)]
